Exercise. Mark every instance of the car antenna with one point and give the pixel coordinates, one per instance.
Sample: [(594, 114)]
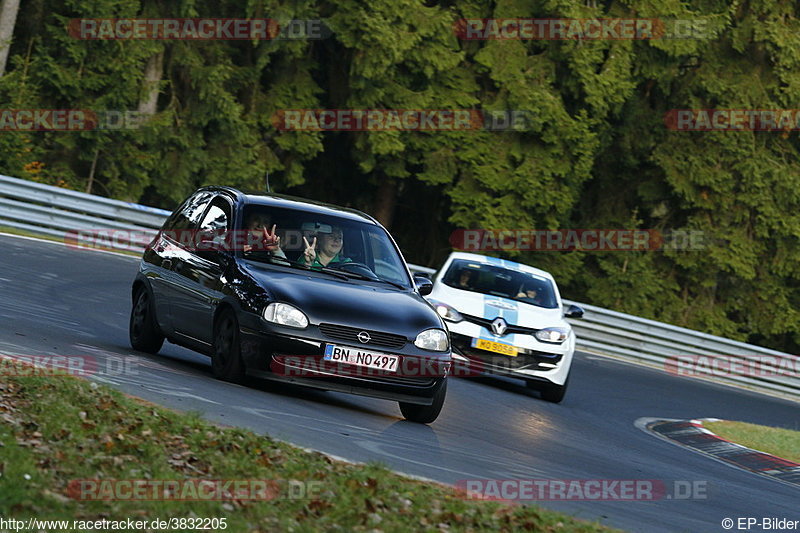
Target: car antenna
[(268, 189)]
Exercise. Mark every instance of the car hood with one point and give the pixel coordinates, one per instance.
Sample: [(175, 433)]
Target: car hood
[(354, 302), (490, 306)]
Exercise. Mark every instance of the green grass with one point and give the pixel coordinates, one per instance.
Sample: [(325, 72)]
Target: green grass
[(57, 429), (783, 443)]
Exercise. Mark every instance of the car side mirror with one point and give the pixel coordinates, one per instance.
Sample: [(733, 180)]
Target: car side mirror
[(423, 284), (573, 311)]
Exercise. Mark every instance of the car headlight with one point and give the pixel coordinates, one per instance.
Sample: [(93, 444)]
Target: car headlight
[(446, 312), (552, 335), (432, 339), (285, 315)]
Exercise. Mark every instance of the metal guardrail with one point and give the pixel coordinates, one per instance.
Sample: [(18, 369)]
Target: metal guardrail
[(58, 212), (685, 352), (53, 211)]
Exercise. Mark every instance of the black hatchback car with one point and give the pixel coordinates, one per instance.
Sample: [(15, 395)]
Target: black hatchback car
[(286, 289)]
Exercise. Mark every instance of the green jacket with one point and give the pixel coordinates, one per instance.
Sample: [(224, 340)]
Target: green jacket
[(338, 258)]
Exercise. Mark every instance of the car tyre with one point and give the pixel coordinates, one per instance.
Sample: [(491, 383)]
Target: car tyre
[(554, 393), (143, 331), (226, 358), (425, 414)]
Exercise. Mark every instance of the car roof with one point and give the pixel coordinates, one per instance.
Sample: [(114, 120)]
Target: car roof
[(496, 261), (293, 202)]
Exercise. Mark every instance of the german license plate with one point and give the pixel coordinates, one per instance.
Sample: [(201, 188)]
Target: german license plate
[(496, 347), (359, 357)]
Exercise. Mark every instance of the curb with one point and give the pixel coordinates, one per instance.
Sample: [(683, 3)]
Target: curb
[(691, 434)]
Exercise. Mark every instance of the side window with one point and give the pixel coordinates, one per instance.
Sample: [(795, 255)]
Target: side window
[(217, 216), (188, 214), (215, 223)]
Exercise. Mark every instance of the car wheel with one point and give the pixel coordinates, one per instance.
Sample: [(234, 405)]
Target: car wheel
[(226, 359), (425, 414), (554, 393), (142, 329)]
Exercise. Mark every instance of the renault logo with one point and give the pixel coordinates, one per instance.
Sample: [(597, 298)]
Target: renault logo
[(499, 326), (364, 337)]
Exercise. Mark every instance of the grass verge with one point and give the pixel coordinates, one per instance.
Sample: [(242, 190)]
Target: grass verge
[(55, 430), (783, 443)]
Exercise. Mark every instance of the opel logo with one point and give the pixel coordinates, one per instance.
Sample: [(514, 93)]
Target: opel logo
[(499, 326), (364, 337)]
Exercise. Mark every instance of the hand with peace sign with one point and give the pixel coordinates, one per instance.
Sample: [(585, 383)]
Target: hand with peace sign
[(270, 240), (309, 254)]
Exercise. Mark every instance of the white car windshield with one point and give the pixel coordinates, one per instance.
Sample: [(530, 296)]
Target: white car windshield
[(499, 281)]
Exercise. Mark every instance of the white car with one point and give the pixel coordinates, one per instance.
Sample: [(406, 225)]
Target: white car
[(506, 318)]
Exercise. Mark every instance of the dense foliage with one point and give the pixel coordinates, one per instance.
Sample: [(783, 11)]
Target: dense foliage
[(595, 154)]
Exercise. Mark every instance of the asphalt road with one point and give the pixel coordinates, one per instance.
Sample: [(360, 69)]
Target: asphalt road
[(57, 300)]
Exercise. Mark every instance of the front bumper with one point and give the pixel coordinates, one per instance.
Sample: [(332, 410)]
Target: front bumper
[(296, 356), (529, 364)]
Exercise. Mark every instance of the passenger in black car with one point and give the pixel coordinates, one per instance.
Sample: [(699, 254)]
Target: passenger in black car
[(328, 250)]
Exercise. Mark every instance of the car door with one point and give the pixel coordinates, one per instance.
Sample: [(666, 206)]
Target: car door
[(168, 250), (199, 273)]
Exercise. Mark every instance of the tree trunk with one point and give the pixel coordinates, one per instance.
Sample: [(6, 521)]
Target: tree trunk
[(90, 181), (8, 19), (385, 201), (152, 79)]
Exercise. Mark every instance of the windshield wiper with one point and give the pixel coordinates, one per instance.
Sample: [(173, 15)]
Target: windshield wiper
[(359, 275), (394, 283), (332, 271)]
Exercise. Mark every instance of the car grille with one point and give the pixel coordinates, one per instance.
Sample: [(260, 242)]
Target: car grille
[(349, 334), (487, 323)]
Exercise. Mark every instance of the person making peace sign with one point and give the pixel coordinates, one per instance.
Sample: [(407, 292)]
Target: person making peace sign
[(328, 250)]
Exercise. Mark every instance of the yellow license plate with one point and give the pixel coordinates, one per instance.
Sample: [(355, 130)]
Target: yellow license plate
[(496, 347)]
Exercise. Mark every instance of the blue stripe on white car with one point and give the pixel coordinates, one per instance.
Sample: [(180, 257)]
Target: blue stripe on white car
[(509, 311)]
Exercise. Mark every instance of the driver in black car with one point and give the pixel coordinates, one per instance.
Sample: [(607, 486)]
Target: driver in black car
[(325, 249), (268, 240)]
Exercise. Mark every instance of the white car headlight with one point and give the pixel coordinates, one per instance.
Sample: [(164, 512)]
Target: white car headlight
[(285, 315), (552, 335), (446, 312), (433, 339)]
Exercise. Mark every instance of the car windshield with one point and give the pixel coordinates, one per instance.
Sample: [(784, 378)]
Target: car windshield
[(499, 281), (355, 248)]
